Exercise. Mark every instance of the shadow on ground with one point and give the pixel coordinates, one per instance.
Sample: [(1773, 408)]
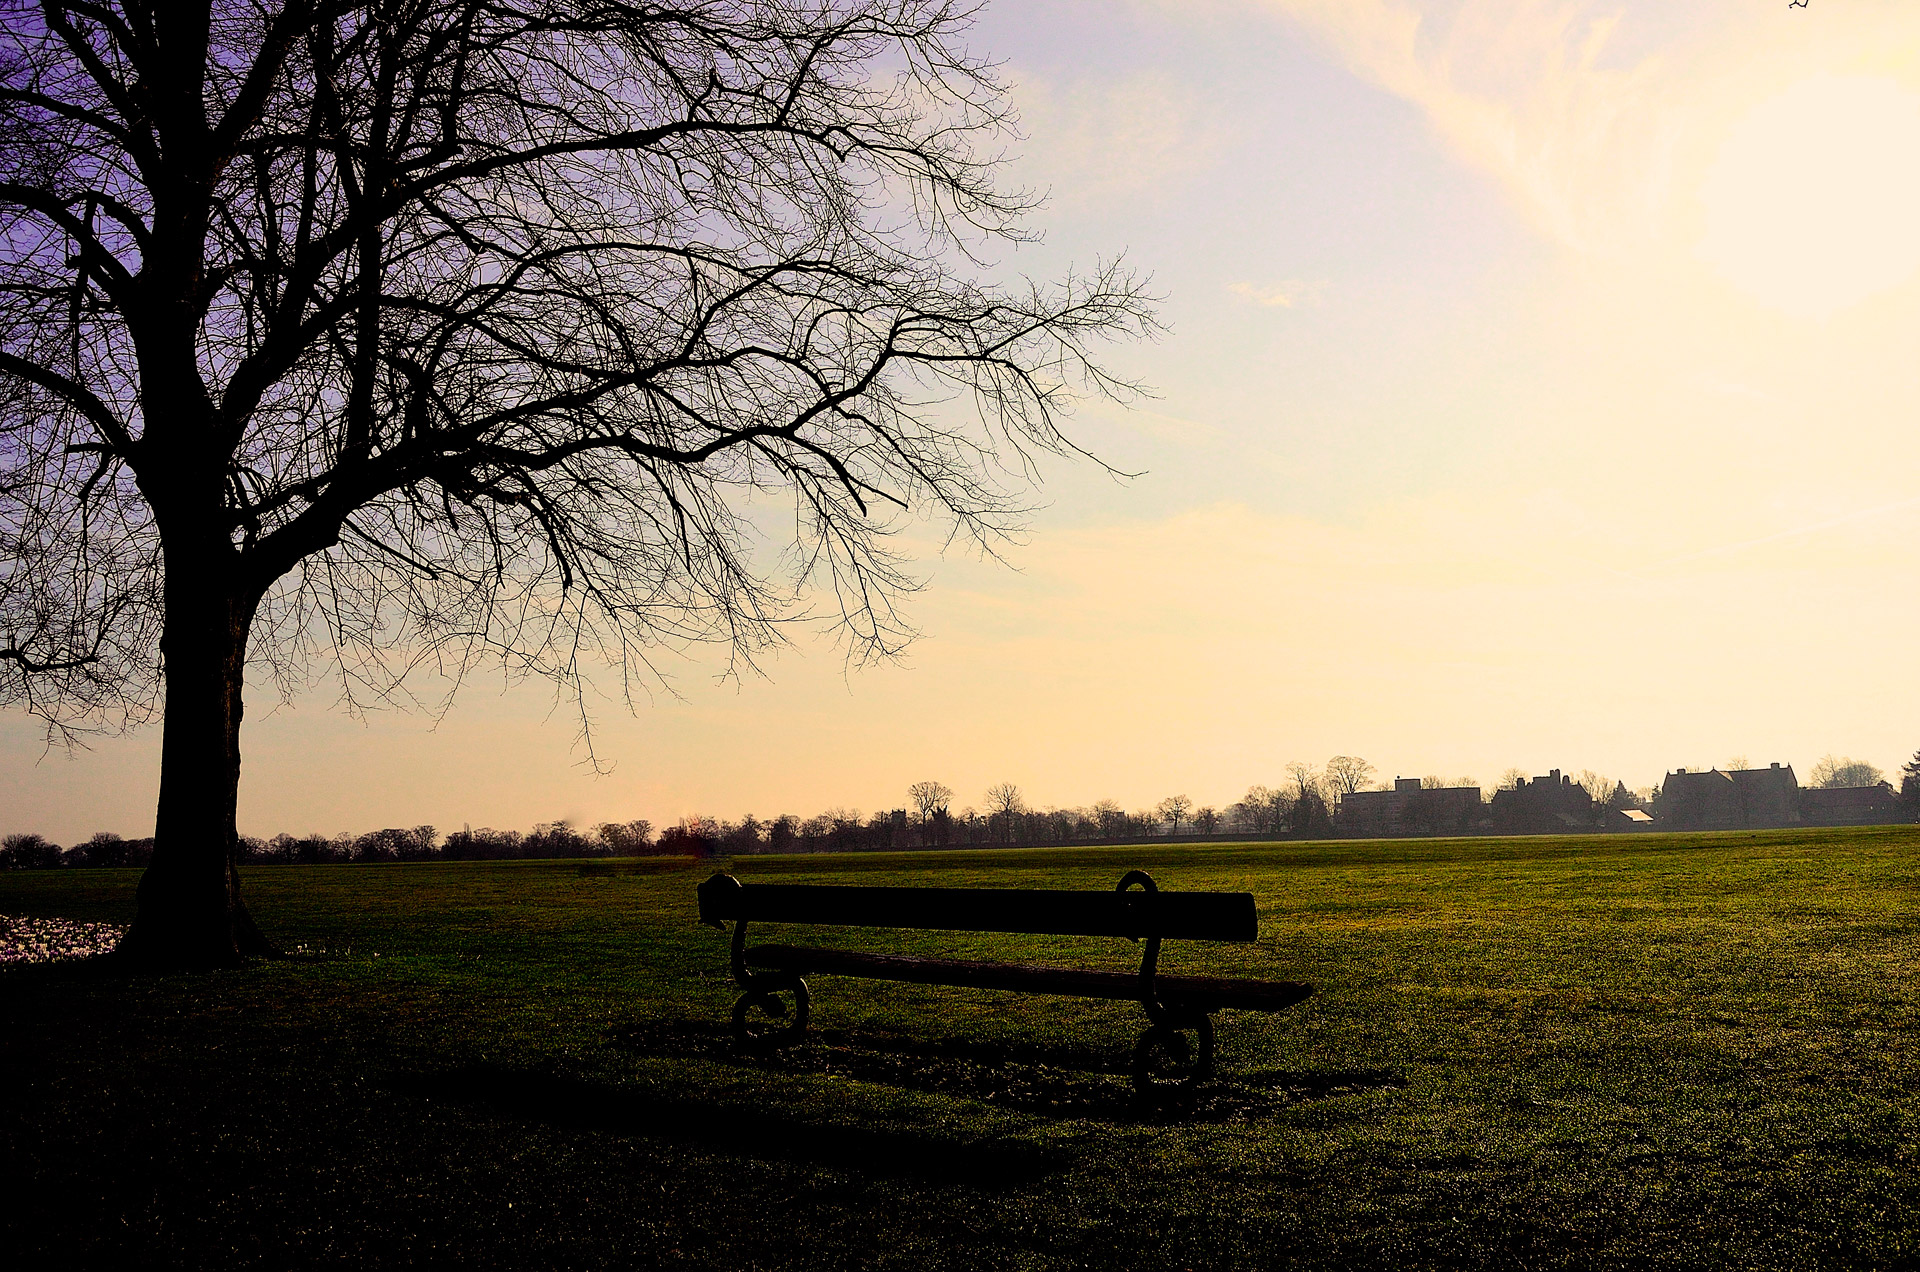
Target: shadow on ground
[(1059, 1082), (762, 1134)]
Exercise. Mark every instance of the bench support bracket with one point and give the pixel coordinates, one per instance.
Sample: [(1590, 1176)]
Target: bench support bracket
[(1163, 1051), (762, 994)]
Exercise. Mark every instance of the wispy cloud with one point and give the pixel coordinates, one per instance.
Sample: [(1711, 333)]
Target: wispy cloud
[(1524, 89), (1282, 295), (1095, 138)]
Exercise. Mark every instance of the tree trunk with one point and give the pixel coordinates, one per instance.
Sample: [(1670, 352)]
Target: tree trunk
[(190, 912)]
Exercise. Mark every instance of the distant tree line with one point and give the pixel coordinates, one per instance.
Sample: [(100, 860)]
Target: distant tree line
[(412, 843), (1303, 806)]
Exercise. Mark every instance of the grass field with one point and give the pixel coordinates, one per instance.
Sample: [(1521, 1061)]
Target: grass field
[(1628, 1051)]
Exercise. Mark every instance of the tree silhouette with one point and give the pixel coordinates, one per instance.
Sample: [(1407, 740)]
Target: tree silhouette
[(435, 334), (1346, 774), (929, 798), (1005, 803), (1836, 771)]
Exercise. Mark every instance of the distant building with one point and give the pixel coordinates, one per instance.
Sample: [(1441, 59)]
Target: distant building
[(1554, 804), (1410, 809), (1876, 805), (1745, 799)]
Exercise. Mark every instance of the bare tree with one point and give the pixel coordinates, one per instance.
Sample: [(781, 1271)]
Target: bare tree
[(1005, 804), (397, 338), (1512, 779), (1306, 780), (1173, 809), (625, 839), (1109, 817), (1346, 774), (1004, 799), (1596, 786), (1832, 771), (929, 798), (1261, 810)]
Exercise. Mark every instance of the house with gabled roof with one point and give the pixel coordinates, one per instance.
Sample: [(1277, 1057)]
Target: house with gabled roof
[(1742, 799)]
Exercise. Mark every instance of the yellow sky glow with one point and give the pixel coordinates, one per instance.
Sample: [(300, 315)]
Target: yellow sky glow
[(1813, 201)]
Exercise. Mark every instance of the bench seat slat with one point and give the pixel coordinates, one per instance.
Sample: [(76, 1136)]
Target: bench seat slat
[(1202, 916), (1208, 993)]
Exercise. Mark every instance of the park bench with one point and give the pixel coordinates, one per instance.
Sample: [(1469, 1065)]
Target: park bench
[(1174, 1004)]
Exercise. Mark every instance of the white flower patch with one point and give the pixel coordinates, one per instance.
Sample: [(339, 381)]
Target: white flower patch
[(24, 940)]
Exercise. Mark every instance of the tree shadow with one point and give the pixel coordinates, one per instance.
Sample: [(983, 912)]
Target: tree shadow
[(759, 1133), (1047, 1080)]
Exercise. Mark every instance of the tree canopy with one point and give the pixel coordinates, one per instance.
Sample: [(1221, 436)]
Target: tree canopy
[(395, 336)]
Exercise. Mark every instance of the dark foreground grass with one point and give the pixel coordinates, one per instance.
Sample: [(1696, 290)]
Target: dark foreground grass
[(1650, 1051)]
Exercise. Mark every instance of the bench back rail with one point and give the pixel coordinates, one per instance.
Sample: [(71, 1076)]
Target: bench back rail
[(1192, 916)]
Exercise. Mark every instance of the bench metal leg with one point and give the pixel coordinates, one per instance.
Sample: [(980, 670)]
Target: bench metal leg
[(762, 993), (1163, 1051)]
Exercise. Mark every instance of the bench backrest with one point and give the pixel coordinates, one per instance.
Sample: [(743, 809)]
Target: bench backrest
[(1196, 916)]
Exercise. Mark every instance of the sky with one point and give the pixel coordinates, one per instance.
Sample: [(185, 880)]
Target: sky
[(1539, 391)]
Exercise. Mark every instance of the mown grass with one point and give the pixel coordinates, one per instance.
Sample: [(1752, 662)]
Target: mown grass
[(1632, 1051)]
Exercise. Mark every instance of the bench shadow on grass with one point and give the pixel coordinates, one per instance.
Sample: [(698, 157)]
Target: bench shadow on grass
[(759, 1133), (1050, 1081)]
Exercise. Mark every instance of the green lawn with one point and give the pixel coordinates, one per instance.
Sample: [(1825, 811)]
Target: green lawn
[(1650, 1050)]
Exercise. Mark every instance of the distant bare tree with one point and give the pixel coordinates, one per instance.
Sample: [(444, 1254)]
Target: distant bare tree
[(1736, 763), (929, 798), (1004, 799), (415, 335), (1832, 771), (1512, 779), (1206, 820), (625, 839), (1346, 774), (1306, 779), (1261, 810), (1109, 817), (1174, 809), (1004, 805)]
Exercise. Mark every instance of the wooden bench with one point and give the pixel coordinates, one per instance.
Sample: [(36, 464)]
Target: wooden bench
[(1174, 1004)]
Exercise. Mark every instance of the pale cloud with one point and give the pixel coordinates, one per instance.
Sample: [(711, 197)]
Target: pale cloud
[(1094, 138), (1602, 146), (1282, 295), (1524, 90), (1154, 424)]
